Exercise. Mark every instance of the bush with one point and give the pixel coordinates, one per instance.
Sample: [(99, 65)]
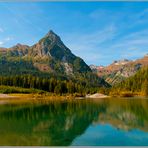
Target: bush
[(127, 94), (12, 89)]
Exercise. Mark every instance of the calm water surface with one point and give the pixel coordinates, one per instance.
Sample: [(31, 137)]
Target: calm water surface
[(105, 122)]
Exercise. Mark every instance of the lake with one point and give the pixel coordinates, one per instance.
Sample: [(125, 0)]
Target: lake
[(102, 122)]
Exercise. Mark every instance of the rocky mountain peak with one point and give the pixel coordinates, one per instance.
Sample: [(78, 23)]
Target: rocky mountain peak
[(51, 32), (19, 46), (53, 37), (49, 41), (51, 46), (121, 62)]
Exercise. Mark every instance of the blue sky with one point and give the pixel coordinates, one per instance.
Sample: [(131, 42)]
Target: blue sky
[(99, 32)]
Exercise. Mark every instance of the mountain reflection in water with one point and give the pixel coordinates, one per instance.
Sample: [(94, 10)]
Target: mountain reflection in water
[(79, 122)]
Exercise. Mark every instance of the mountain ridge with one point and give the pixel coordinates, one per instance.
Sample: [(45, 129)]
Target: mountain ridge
[(48, 48), (120, 70), (50, 57)]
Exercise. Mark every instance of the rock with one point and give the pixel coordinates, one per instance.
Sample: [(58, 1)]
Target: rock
[(97, 95)]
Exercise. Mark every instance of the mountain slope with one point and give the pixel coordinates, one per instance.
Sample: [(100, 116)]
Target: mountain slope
[(47, 58), (137, 83), (120, 70), (49, 52)]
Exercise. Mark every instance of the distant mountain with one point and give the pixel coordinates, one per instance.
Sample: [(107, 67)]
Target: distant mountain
[(95, 68), (49, 57), (120, 70), (138, 83)]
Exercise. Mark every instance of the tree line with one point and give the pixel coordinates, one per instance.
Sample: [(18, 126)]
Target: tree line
[(47, 84)]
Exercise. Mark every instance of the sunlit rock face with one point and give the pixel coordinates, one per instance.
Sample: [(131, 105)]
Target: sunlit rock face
[(120, 70)]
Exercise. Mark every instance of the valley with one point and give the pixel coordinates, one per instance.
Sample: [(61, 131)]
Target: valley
[(73, 73)]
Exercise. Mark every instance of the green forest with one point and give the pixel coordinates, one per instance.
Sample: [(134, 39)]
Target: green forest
[(81, 84), (135, 85), (21, 73), (49, 85)]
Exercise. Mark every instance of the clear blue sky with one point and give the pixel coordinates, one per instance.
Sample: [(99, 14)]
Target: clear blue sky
[(99, 32)]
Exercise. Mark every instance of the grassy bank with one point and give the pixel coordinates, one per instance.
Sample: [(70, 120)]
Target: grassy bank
[(11, 89), (126, 93), (30, 93)]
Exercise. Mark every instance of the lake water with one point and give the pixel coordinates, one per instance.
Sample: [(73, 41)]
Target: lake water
[(103, 122)]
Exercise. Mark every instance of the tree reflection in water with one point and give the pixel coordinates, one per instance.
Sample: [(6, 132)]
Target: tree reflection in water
[(59, 123)]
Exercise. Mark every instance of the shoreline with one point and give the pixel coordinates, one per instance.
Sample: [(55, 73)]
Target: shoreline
[(6, 96), (19, 97), (22, 98), (35, 95)]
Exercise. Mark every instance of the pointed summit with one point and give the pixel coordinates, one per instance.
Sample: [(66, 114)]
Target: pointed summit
[(52, 34), (51, 45), (48, 57), (52, 38)]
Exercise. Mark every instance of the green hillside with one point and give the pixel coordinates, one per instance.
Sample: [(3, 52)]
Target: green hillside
[(137, 84)]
